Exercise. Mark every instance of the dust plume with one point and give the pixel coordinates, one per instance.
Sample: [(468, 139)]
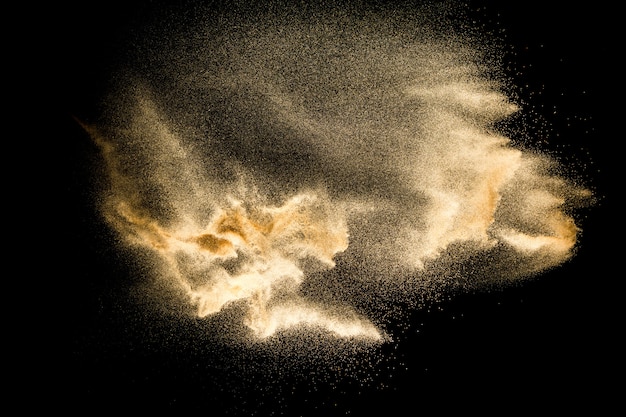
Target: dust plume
[(304, 168)]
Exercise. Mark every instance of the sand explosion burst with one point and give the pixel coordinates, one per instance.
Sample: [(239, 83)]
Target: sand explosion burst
[(250, 157)]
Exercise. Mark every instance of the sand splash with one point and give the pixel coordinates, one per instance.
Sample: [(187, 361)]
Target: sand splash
[(250, 158)]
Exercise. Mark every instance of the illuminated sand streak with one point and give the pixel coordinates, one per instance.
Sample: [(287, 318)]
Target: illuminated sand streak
[(266, 153)]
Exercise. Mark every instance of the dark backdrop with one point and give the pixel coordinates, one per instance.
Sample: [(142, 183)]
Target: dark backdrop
[(551, 342)]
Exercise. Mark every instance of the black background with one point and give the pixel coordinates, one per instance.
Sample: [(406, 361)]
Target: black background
[(550, 343)]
